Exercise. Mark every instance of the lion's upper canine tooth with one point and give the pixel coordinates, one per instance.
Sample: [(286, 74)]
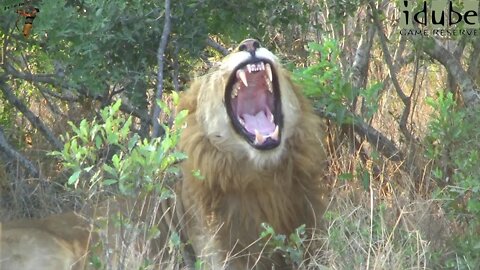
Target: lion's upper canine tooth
[(268, 69), (242, 76), (259, 138), (274, 135), (269, 85)]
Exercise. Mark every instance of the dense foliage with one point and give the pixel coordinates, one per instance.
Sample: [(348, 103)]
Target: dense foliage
[(403, 121)]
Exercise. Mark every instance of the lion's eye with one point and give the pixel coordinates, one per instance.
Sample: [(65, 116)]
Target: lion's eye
[(256, 44)]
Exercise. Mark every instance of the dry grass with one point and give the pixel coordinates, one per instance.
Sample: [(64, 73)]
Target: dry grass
[(384, 225)]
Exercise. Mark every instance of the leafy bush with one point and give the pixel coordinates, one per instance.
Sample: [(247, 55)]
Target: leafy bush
[(104, 155), (107, 153), (291, 248), (324, 82), (454, 147)]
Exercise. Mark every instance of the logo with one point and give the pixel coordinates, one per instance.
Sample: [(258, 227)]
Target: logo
[(443, 18), (26, 10)]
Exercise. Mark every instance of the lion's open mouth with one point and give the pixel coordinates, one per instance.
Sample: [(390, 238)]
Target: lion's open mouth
[(252, 99)]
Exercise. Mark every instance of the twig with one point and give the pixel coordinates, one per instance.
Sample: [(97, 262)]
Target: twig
[(392, 73), (212, 43), (67, 96), (13, 154), (387, 56), (176, 67), (157, 130)]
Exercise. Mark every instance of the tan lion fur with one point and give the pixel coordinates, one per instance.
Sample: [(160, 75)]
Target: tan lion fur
[(56, 242), (241, 187), (67, 241)]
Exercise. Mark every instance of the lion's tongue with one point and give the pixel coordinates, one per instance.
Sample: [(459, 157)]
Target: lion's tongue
[(258, 122)]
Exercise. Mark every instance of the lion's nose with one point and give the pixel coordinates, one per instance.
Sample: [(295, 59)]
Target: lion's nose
[(249, 45)]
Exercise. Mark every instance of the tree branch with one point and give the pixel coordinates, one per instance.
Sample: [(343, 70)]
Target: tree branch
[(457, 53), (39, 78), (379, 141), (156, 132), (387, 56), (360, 63), (468, 88), (474, 61), (393, 74), (13, 154), (32, 118), (71, 97), (218, 47), (361, 59)]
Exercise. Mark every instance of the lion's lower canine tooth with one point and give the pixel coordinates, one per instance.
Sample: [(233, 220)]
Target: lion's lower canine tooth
[(242, 76), (268, 69), (274, 135)]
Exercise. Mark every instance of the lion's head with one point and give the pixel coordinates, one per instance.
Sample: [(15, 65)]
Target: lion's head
[(249, 103)]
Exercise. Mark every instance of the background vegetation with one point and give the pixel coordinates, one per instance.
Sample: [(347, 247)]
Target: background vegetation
[(402, 114)]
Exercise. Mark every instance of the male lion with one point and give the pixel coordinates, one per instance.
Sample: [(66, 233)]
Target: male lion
[(256, 154)]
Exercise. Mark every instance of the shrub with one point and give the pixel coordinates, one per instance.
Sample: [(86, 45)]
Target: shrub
[(106, 159), (454, 147)]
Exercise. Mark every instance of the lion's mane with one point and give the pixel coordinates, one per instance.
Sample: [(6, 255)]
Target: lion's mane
[(230, 189)]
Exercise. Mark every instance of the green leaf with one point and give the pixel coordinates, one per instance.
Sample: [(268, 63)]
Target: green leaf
[(153, 233), (73, 179), (110, 170), (112, 138), (178, 156), (109, 182), (180, 118), (98, 142), (133, 141), (345, 176), (74, 128), (198, 175), (83, 129), (174, 242), (115, 107), (126, 127), (116, 161), (175, 98)]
